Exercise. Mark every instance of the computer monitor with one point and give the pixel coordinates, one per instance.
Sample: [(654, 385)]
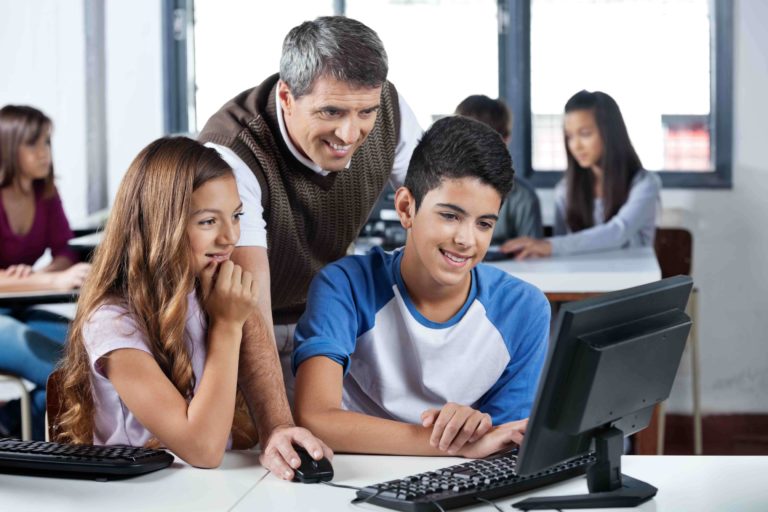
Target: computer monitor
[(613, 358)]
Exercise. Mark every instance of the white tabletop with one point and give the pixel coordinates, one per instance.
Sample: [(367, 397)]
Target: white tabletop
[(586, 273), (701, 484), (689, 483)]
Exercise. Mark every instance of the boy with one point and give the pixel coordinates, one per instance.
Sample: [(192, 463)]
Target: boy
[(423, 351)]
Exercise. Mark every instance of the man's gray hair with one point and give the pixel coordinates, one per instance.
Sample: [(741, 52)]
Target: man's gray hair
[(335, 47)]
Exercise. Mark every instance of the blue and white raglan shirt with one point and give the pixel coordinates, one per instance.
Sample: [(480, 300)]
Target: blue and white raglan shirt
[(397, 363)]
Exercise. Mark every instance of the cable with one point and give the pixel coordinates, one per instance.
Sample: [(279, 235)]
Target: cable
[(342, 486), (489, 502), (441, 509)]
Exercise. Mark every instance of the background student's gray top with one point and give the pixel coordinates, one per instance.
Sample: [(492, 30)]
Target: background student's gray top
[(520, 214), (633, 226)]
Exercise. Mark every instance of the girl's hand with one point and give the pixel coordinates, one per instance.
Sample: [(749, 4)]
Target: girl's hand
[(455, 425), (498, 439), (525, 247), (229, 294), (19, 271), (71, 278)]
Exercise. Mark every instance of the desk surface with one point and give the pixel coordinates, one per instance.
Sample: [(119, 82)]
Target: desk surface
[(587, 273), (704, 483), (24, 299)]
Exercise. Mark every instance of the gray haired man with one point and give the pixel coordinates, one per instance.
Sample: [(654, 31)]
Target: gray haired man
[(312, 148)]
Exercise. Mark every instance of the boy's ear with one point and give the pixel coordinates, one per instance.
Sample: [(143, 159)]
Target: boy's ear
[(405, 206)]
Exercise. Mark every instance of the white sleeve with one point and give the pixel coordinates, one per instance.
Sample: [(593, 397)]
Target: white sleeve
[(410, 134), (253, 228)]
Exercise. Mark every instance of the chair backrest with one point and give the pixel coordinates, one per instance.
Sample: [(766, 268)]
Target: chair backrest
[(674, 248), (52, 404)]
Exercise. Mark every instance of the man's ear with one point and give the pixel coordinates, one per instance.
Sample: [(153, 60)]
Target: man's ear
[(286, 98), (405, 206)]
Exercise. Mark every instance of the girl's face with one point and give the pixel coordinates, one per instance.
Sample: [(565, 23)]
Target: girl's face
[(35, 157), (583, 138), (214, 223)]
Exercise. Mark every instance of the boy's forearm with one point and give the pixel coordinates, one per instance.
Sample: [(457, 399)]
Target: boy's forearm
[(351, 432)]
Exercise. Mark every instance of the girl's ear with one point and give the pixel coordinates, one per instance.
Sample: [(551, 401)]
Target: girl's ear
[(405, 206)]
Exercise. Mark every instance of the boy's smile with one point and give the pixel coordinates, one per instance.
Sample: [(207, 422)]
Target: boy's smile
[(447, 236)]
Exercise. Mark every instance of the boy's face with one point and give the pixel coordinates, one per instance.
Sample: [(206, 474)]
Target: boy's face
[(451, 231)]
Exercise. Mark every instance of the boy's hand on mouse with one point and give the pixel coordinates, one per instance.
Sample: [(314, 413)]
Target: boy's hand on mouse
[(526, 247), (229, 293), (455, 425), (500, 438), (279, 456)]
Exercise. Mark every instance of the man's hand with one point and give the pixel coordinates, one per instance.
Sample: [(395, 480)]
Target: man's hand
[(278, 455), (455, 425), (525, 247), (498, 439)]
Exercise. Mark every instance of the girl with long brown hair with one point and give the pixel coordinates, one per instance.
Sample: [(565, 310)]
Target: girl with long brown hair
[(32, 220), (152, 356), (606, 200)]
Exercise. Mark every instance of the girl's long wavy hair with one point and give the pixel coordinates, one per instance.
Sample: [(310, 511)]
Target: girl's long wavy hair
[(19, 125), (619, 162), (144, 265)]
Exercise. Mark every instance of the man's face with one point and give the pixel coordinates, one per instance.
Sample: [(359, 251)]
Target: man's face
[(328, 124)]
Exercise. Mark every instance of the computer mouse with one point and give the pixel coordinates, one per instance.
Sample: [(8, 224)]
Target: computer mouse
[(311, 471)]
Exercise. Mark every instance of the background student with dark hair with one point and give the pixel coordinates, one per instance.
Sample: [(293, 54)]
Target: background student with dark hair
[(606, 200), (32, 220), (520, 213), (425, 350)]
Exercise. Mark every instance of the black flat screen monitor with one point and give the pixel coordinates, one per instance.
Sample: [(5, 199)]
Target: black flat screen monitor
[(612, 359)]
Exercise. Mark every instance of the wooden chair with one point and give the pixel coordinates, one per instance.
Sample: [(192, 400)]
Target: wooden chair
[(52, 404), (26, 404), (674, 250)]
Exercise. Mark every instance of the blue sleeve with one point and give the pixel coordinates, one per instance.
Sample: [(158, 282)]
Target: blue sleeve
[(329, 324), (526, 334), (341, 305)]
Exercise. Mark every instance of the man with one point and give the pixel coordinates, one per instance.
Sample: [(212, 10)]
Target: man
[(311, 149)]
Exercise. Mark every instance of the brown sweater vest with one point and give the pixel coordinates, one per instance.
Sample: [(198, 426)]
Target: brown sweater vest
[(311, 219)]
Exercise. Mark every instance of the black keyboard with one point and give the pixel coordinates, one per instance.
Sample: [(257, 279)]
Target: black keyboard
[(461, 485), (86, 461)]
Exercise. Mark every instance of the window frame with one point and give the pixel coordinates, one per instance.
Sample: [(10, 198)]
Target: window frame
[(515, 88)]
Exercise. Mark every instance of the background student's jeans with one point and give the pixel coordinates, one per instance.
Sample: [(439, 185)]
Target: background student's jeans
[(30, 346)]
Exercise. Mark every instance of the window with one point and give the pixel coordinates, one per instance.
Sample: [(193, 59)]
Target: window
[(440, 51), (666, 63)]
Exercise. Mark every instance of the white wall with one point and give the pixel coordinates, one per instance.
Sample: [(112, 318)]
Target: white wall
[(46, 68), (43, 64)]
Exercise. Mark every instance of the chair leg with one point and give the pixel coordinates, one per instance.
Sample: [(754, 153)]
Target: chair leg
[(662, 428), (26, 408), (695, 382)]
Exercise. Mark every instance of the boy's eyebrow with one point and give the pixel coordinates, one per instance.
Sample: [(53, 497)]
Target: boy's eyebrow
[(459, 209), (214, 210)]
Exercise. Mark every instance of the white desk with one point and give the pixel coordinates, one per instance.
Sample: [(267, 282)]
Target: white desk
[(587, 274), (179, 487), (685, 484), (700, 484)]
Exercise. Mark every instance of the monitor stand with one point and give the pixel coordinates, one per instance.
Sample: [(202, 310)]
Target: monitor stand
[(607, 486)]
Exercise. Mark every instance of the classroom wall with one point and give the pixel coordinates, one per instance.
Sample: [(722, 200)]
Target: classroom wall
[(43, 63), (47, 68)]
